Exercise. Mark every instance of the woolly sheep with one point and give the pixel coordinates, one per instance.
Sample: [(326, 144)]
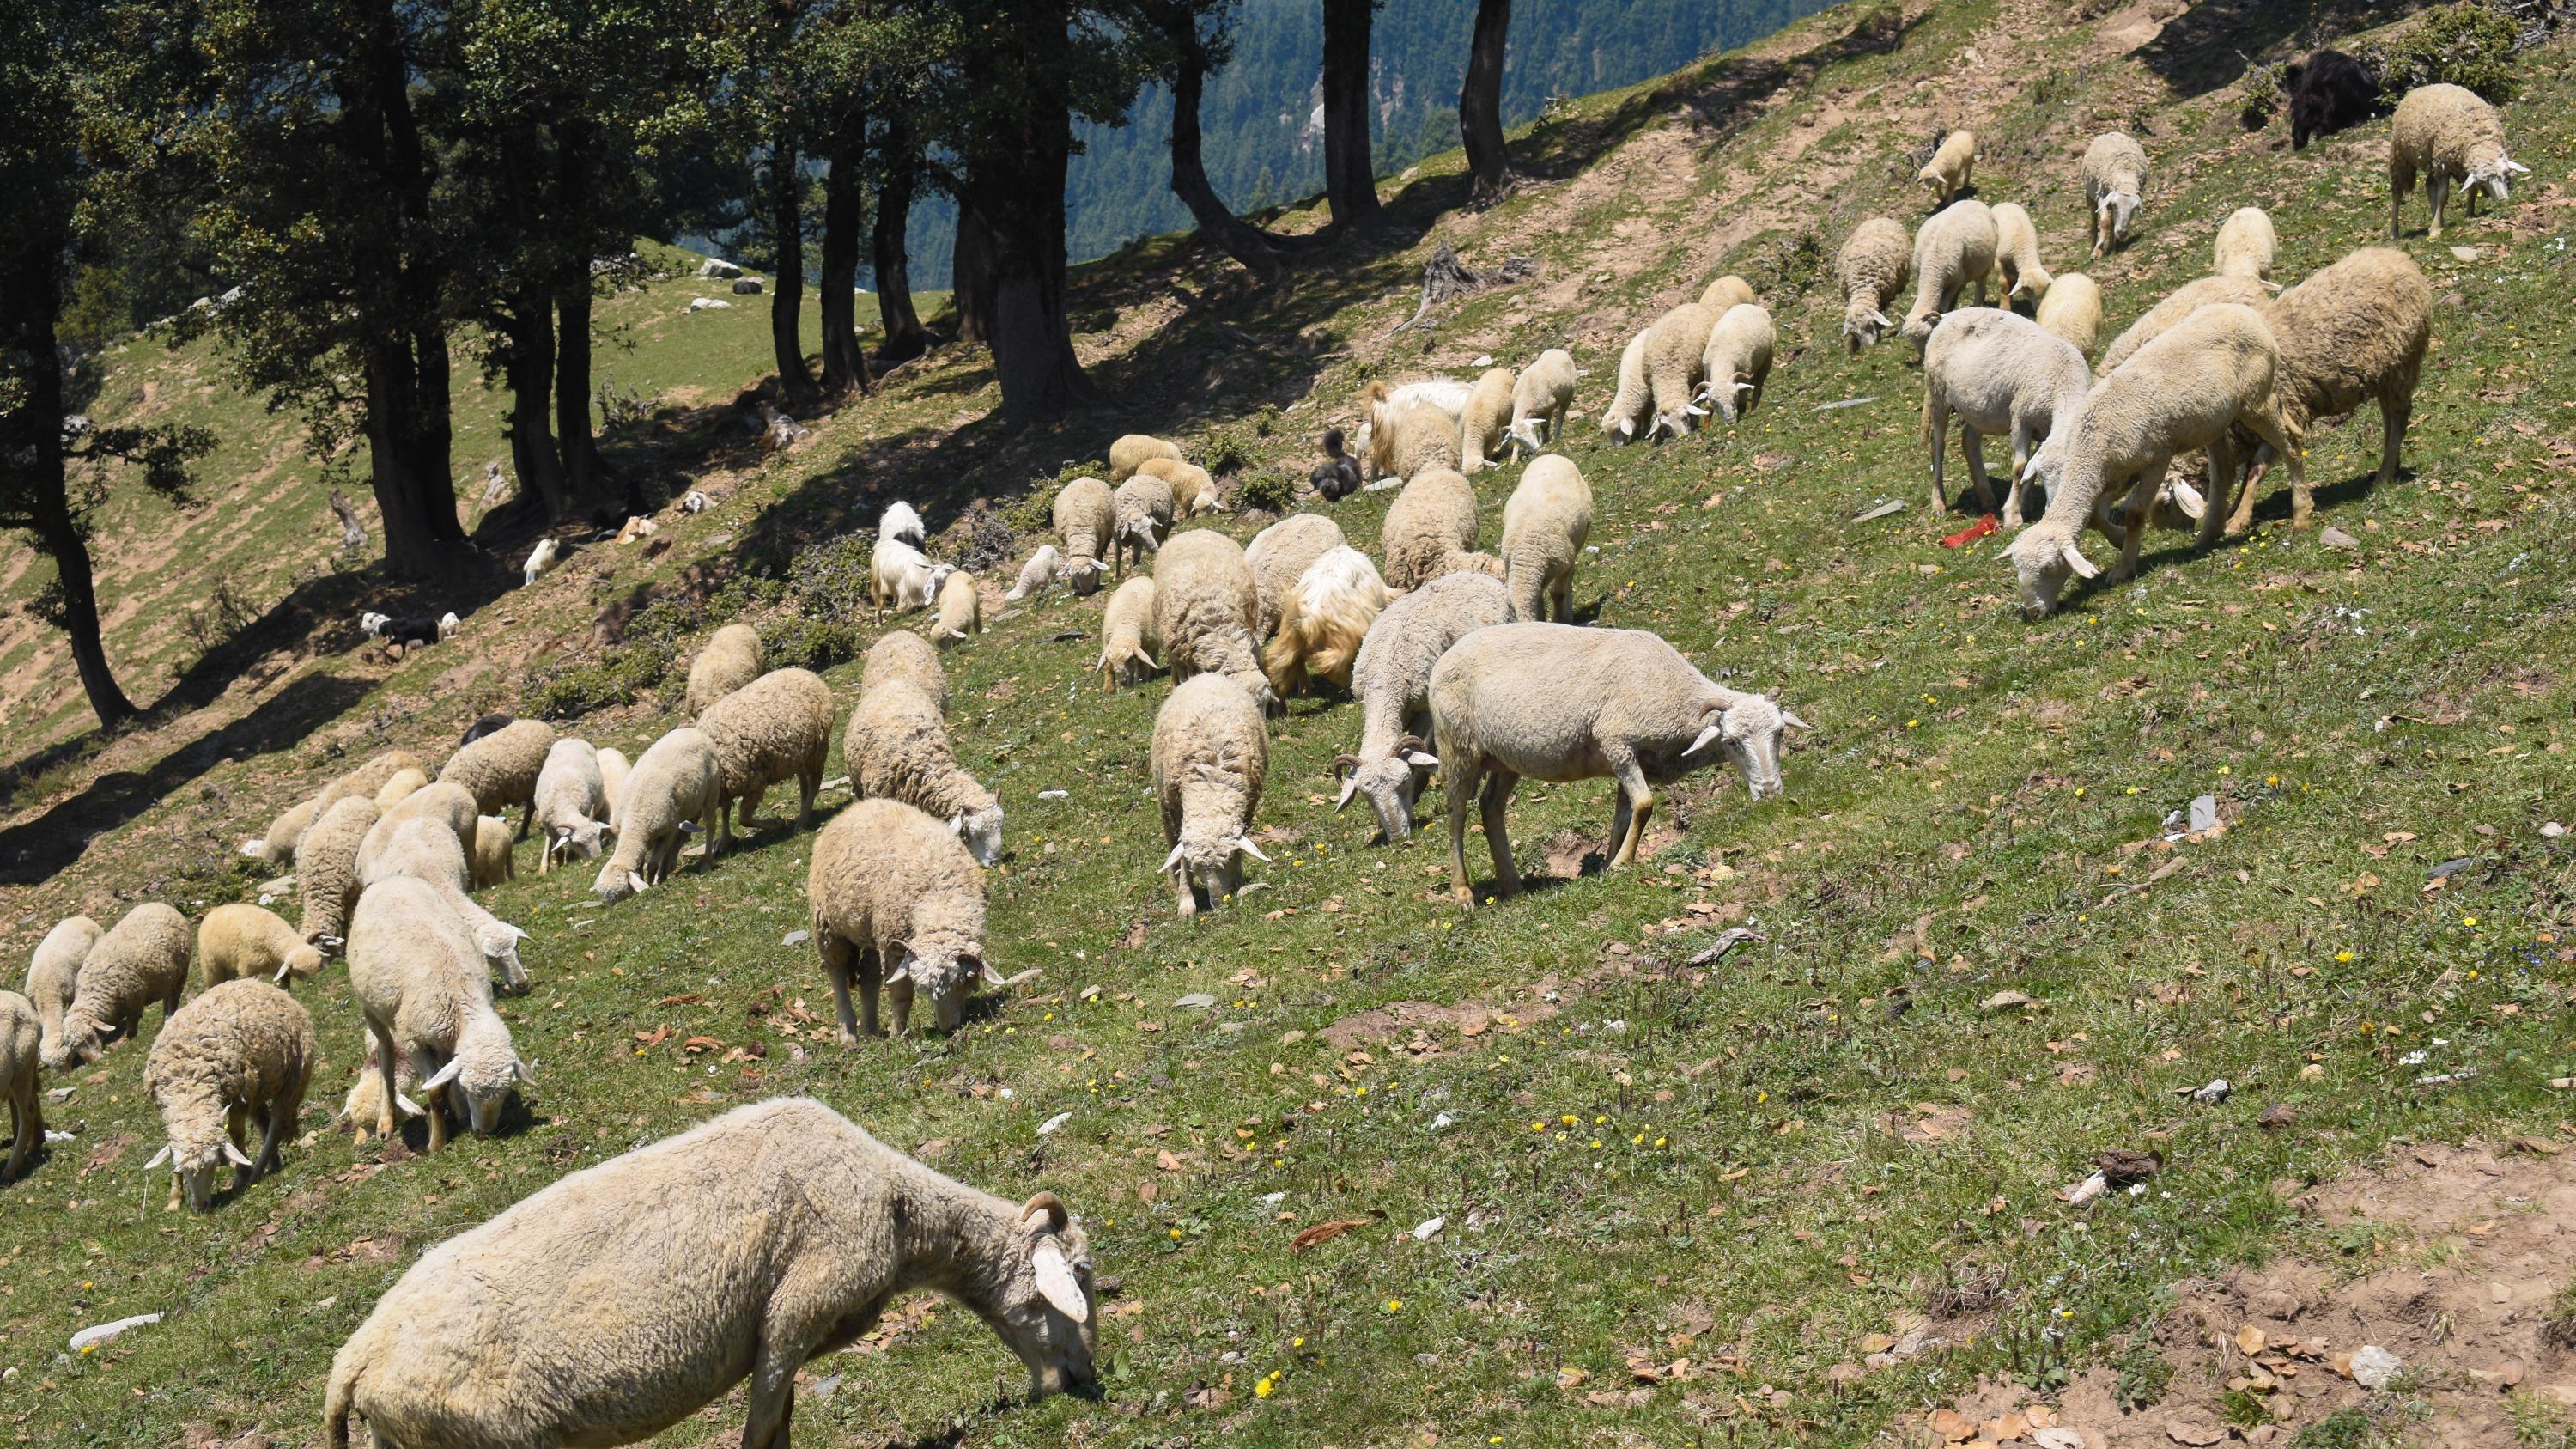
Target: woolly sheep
[(2209, 373), (429, 850), (901, 523), (961, 610), (541, 558), (2072, 310), (241, 1054), (1193, 490), (1036, 574), (612, 778), (501, 769), (2115, 186), (906, 656), (2185, 300), (1131, 452), (572, 801), (246, 942), (776, 728), (371, 779), (326, 870), (1128, 642), (1555, 702), (675, 784), (770, 1236), (1209, 756), (364, 1106), (1086, 517), (896, 748), (403, 783), (1873, 267), (1204, 606), (1675, 350), (731, 658), (902, 577), (1144, 507), (1952, 163), (2329, 92), (22, 1080), (1430, 530), (1632, 402), (2018, 269), (142, 959), (1416, 439), (2353, 332), (1736, 360), (1279, 555), (277, 847), (1485, 424), (1545, 524), (447, 805), (896, 901), (1392, 680), (2246, 245), (1543, 393), (1325, 615), (419, 981), (489, 855), (1727, 291), (2450, 137), (53, 977), (1381, 404), (2002, 374), (1956, 247)]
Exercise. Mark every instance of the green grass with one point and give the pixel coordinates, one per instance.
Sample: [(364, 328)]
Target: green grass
[(1640, 1160)]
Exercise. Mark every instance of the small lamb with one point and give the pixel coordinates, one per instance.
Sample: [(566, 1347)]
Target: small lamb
[(1555, 702), (501, 769), (961, 610), (1035, 575), (22, 1080), (1086, 518), (1128, 642), (902, 576), (2002, 374), (1144, 517), (1873, 267), (731, 658), (1953, 162), (906, 656), (1279, 555), (1204, 606), (1736, 360), (420, 981), (1632, 402), (896, 901), (53, 977), (277, 847), (1545, 524), (1210, 755), (241, 1054), (1392, 680), (676, 784), (1131, 452), (1325, 615), (2246, 245), (1956, 247), (777, 728), (1485, 424), (2017, 265), (2073, 310), (489, 854), (897, 748), (572, 802), (770, 1236), (142, 959), (1541, 397), (2115, 186), (541, 558), (238, 941), (2450, 137)]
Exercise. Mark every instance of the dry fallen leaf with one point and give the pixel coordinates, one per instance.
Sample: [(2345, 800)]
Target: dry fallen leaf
[(1324, 1233), (1953, 1426), (2197, 1435), (2250, 1340)]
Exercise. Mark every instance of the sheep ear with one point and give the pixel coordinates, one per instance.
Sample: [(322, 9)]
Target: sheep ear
[(1172, 859), (2188, 499), (957, 822), (233, 1151), (525, 1070), (280, 977), (445, 1075), (635, 882), (158, 1158), (990, 977), (1056, 1282), (1627, 427), (2516, 167), (1350, 787), (1422, 759), (1244, 844), (2030, 470), (2075, 559), (1882, 319), (330, 943), (1707, 735), (1790, 719)]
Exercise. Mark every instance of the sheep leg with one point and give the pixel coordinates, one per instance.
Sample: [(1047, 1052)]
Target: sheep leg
[(2292, 446), (1972, 446), (385, 1066), (1637, 802), (438, 1108), (2393, 413), (808, 784), (899, 1003), (2142, 502), (2437, 191), (1494, 802), (838, 958), (1563, 593), (1461, 786), (773, 1381), (1936, 436), (280, 1121), (235, 1119), (2222, 478), (21, 1117)]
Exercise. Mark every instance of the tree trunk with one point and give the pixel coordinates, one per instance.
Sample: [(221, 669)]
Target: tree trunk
[(529, 326), (1239, 239), (845, 366), (904, 339), (1480, 101), (586, 482), (1350, 185), (970, 278), (787, 240)]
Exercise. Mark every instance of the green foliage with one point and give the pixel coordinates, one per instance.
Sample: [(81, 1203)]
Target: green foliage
[(2467, 44), (802, 641), (2145, 1373), (637, 663), (2558, 1323), (2262, 88), (830, 580), (1271, 491), (1229, 448)]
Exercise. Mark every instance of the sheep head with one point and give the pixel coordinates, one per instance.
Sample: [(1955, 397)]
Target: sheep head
[(616, 883), (483, 1073), (2119, 209), (194, 1165), (2495, 178), (1748, 730), (982, 832), (1525, 435), (1864, 325), (1044, 1306), (1213, 862), (2045, 556), (302, 963), (1391, 783), (499, 943), (945, 968), (77, 1044)]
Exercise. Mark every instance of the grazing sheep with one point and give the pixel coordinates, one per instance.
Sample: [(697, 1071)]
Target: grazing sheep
[(1086, 517), (1544, 526), (776, 728), (246, 942), (408, 634), (1417, 438), (961, 610), (1325, 615), (2115, 186), (901, 523), (731, 658), (1554, 702), (2353, 332), (1131, 452), (1392, 679), (896, 901), (612, 779), (1193, 489), (572, 801), (2246, 245), (770, 1236), (1727, 291), (2185, 300), (428, 849), (326, 870), (1204, 606), (1956, 247), (1128, 642), (447, 805), (1873, 267), (1338, 476), (53, 977), (2450, 137), (1144, 506), (1632, 403), (906, 656), (501, 769), (142, 959), (2329, 92), (1952, 163), (1544, 392), (1430, 530), (1279, 555), (677, 783), (896, 748), (2072, 310), (902, 576), (1381, 404), (2206, 375), (1486, 422), (239, 1055), (372, 778), (490, 853), (1675, 349), (1736, 361), (541, 558), (400, 787), (22, 1080), (1036, 574), (1210, 756), (2002, 374), (2018, 268), (420, 982), (277, 847)]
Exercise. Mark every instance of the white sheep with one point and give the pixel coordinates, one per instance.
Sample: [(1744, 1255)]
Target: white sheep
[(572, 801), (1873, 267), (2018, 269), (777, 728), (326, 870), (1132, 451), (1278, 555), (1086, 518), (1392, 680), (1955, 248), (2353, 332), (1727, 291), (237, 941), (772, 1235), (1035, 575), (1953, 162), (1204, 606), (2183, 301), (903, 577), (1144, 507), (1193, 488), (372, 779), (1379, 404), (277, 847), (1485, 423), (2073, 310), (2115, 186), (1128, 642), (961, 610), (1430, 530), (896, 748), (240, 1054), (1210, 755), (2450, 137), (53, 976), (541, 558), (731, 658), (1542, 395), (1417, 438), (1632, 401), (489, 853), (22, 1080), (1676, 349), (1545, 523), (501, 769), (1322, 620), (901, 523), (402, 784), (428, 849), (907, 656), (895, 899), (1555, 702), (676, 784), (2002, 374), (2246, 245), (613, 766), (420, 982), (1735, 362), (142, 959)]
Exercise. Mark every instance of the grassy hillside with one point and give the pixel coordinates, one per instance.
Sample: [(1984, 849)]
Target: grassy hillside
[(1797, 1197)]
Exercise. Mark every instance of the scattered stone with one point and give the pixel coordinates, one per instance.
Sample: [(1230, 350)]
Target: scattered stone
[(2204, 814), (2373, 1366), (2338, 540), (708, 304), (1047, 1128), (1428, 1229), (1195, 1001), (2277, 1116), (2451, 867), (102, 1332), (2466, 254), (747, 287), (2005, 1001), (795, 938), (716, 269)]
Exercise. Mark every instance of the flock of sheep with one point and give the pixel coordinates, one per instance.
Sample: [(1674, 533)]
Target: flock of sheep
[(550, 1323)]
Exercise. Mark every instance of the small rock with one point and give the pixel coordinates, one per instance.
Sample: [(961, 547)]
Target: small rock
[(2277, 1116), (2204, 814), (2087, 1190), (2211, 1093), (795, 938), (59, 1095), (1428, 1229), (1442, 1121), (1049, 1125), (2373, 1366), (2005, 1001), (2335, 538), (2451, 867), (821, 1389), (2466, 254), (1195, 1001), (708, 304), (747, 287), (52, 1136), (2055, 1438), (101, 1333), (2552, 830), (1053, 794)]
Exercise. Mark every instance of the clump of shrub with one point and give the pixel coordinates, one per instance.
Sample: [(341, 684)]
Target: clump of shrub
[(2262, 90), (1229, 450), (2469, 44), (635, 664), (1271, 492), (830, 580)]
